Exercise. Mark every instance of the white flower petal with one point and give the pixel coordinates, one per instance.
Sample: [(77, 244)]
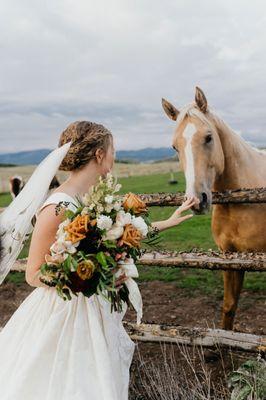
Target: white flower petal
[(104, 222)]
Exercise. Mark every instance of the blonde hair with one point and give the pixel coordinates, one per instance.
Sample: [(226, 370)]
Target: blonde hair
[(86, 138)]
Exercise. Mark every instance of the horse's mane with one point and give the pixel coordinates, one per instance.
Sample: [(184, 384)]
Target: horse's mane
[(191, 110)]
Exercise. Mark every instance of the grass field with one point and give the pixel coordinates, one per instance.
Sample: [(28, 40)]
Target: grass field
[(195, 233)]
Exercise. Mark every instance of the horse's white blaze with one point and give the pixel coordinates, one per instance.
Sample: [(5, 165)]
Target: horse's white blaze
[(188, 134)]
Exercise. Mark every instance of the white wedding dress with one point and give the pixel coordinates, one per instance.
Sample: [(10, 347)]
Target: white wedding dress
[(53, 349)]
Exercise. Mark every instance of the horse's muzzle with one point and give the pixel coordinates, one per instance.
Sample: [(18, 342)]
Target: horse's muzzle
[(203, 207)]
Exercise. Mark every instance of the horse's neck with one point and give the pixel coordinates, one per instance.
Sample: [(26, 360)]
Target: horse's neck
[(244, 165)]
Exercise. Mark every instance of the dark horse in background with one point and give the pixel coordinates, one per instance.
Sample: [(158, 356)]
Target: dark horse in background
[(16, 184), (215, 158)]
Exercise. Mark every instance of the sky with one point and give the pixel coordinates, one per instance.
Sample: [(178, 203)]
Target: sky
[(111, 62)]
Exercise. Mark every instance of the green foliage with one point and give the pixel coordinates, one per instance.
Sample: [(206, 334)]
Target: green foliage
[(5, 199), (249, 381), (15, 277)]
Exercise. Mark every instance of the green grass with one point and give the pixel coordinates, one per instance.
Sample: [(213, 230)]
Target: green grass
[(15, 277), (5, 199), (195, 233)]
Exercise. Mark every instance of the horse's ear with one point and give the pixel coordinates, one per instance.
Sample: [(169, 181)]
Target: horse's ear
[(201, 100), (170, 110)]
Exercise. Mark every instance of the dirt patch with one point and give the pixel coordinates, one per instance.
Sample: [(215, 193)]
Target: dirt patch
[(164, 302)]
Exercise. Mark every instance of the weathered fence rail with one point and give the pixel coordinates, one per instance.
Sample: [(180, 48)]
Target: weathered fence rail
[(239, 196), (212, 261), (207, 260), (204, 337), (257, 195)]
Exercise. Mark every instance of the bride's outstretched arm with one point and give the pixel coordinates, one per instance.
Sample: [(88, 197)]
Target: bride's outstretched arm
[(42, 238), (176, 218)]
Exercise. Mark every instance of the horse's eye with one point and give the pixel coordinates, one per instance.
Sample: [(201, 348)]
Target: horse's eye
[(208, 138)]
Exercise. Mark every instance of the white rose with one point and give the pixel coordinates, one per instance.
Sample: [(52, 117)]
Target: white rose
[(109, 199), (141, 225), (104, 222), (123, 218), (114, 233)]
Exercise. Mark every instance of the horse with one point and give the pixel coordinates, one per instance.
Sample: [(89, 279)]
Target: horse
[(215, 158), (16, 184)]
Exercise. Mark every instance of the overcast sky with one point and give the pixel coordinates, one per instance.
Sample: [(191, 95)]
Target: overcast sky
[(111, 61)]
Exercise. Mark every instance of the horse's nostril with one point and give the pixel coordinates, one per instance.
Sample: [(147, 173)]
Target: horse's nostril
[(204, 198)]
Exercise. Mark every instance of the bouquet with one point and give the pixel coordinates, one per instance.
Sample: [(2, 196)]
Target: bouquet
[(96, 243)]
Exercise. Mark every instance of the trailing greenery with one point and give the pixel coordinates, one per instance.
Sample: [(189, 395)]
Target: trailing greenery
[(249, 381)]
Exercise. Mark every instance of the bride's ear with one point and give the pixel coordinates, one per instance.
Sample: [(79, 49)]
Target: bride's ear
[(99, 155)]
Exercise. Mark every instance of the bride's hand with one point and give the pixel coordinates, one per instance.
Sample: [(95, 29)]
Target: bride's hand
[(176, 218), (120, 280)]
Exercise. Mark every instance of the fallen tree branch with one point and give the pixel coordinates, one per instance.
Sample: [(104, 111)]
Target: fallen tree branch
[(195, 336)]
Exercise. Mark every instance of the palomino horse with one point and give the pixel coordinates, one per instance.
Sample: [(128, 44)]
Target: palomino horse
[(214, 157)]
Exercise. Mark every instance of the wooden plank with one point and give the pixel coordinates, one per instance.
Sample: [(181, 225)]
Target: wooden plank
[(195, 336)]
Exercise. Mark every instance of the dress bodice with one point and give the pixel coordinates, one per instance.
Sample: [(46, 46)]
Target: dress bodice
[(56, 198)]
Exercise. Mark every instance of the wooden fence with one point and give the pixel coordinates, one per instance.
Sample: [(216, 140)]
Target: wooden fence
[(238, 196), (204, 260), (195, 336)]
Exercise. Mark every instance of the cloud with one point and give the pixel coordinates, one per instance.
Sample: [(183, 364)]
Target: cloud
[(112, 61)]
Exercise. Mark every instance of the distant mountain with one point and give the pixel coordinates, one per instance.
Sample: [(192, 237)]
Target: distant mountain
[(31, 157), (34, 157), (146, 155)]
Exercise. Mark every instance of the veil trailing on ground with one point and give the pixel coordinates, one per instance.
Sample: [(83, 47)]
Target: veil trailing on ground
[(16, 220)]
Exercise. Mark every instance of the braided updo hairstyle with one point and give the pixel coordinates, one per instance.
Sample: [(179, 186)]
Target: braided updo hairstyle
[(86, 138)]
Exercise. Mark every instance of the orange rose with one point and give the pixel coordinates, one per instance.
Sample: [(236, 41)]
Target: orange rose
[(78, 228), (134, 203), (85, 269), (131, 236)]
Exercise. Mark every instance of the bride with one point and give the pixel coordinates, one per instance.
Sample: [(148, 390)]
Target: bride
[(53, 349)]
